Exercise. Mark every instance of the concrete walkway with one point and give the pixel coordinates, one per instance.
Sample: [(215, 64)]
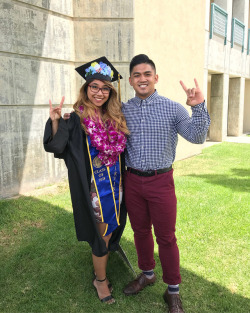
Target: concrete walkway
[(240, 139)]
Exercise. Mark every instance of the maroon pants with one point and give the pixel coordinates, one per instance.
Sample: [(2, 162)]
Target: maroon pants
[(152, 200)]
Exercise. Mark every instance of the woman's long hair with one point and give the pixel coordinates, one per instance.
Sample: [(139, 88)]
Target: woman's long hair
[(111, 108)]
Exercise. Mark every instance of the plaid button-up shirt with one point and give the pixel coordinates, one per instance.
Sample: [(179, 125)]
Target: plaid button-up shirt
[(154, 125)]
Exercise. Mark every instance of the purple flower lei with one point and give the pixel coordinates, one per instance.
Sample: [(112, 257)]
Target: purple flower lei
[(106, 139)]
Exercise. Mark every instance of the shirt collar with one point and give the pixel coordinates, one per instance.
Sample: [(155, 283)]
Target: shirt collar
[(138, 101)]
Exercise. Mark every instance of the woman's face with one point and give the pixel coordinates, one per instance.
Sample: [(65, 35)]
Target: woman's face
[(98, 92)]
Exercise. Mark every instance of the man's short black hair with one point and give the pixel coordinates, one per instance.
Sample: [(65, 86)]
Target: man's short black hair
[(139, 59)]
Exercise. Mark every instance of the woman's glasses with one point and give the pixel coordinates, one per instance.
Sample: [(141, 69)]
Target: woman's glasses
[(95, 89)]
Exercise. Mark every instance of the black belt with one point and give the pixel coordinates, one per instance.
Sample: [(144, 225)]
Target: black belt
[(149, 173)]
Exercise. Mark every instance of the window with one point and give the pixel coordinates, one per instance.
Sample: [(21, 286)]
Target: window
[(218, 22), (238, 32)]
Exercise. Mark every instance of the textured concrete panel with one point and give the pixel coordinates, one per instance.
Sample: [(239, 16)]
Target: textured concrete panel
[(32, 32), (104, 8), (218, 54), (62, 6), (237, 65), (239, 7), (24, 163), (115, 40), (30, 81), (247, 68), (222, 3), (235, 106), (246, 121), (219, 106)]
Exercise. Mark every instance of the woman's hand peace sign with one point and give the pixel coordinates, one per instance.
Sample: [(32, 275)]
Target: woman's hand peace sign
[(55, 113), (194, 95)]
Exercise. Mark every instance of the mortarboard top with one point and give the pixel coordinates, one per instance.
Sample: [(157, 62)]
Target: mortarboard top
[(100, 69)]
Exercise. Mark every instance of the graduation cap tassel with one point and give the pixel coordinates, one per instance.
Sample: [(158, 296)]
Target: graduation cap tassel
[(119, 89), (125, 258)]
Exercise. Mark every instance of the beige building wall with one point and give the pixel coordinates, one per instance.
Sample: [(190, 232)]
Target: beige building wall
[(172, 34)]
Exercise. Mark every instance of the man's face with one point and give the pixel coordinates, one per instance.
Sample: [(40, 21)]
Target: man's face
[(143, 79)]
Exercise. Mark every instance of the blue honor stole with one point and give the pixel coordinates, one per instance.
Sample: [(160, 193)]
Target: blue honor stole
[(107, 182)]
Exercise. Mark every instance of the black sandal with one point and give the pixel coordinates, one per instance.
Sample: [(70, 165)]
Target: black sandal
[(106, 299), (110, 287)]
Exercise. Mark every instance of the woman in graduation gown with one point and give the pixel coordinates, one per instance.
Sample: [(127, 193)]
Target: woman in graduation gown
[(91, 143)]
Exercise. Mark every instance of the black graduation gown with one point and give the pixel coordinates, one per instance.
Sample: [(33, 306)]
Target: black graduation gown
[(69, 143)]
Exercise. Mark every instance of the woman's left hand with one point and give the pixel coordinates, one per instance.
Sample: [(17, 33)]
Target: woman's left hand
[(66, 116)]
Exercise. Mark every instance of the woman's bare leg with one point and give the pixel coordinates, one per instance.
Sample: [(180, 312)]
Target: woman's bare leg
[(100, 265)]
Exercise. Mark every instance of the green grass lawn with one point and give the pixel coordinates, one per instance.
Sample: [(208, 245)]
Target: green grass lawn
[(45, 269)]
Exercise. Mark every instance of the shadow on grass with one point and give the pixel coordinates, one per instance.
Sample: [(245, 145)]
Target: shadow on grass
[(45, 269), (237, 181)]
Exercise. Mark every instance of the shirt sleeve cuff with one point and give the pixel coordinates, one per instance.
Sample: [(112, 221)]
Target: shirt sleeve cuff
[(200, 107)]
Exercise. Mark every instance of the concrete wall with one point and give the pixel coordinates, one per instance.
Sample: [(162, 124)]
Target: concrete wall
[(105, 27), (232, 65), (222, 58), (172, 34), (37, 62), (219, 107), (246, 122), (235, 106), (38, 42)]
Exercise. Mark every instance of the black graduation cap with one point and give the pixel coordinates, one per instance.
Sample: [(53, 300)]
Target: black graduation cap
[(100, 68)]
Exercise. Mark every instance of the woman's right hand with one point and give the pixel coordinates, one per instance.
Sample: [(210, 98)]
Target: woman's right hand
[(55, 113)]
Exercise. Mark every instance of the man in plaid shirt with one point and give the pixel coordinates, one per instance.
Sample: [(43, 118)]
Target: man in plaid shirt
[(154, 123)]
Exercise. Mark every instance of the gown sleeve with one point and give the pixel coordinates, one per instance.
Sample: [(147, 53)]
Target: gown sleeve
[(58, 143)]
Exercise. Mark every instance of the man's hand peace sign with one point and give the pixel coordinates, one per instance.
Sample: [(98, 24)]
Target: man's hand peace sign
[(194, 95)]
